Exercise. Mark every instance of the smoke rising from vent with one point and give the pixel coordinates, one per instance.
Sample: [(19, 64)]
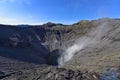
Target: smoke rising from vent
[(95, 37)]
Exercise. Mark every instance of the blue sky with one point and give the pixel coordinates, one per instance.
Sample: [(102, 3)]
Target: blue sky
[(58, 11)]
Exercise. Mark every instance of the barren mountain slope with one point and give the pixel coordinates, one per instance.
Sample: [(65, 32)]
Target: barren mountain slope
[(82, 50), (102, 49)]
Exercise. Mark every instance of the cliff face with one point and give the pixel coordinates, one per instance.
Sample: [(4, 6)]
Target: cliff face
[(42, 45)]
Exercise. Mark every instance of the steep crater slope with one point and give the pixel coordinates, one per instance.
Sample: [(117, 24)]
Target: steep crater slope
[(34, 43), (100, 47), (25, 46)]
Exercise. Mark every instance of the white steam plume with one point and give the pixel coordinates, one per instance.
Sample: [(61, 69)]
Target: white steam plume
[(91, 39)]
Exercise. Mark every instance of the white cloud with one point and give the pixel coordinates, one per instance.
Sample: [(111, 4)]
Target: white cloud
[(26, 2), (14, 21), (102, 11), (7, 0)]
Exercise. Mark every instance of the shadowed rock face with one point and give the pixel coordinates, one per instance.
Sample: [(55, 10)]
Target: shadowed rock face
[(28, 52), (1, 74), (30, 44), (52, 58)]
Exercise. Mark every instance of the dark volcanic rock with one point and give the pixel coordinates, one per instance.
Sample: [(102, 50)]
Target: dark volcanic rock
[(1, 74), (28, 52), (50, 73), (52, 58)]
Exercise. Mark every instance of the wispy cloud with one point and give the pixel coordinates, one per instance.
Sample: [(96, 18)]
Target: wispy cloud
[(102, 12), (14, 21), (27, 2), (7, 1)]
